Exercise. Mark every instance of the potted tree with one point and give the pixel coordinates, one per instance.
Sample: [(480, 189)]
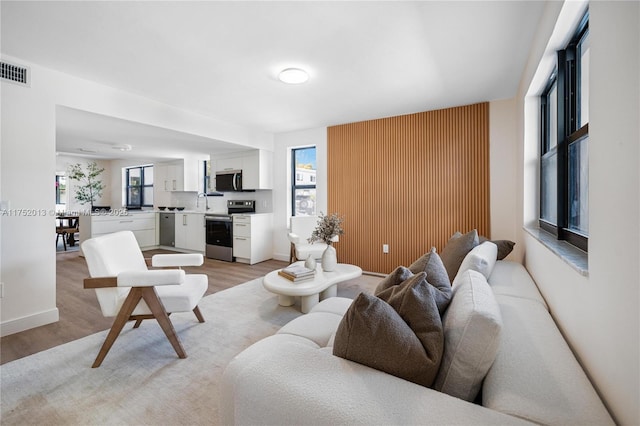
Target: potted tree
[(89, 187)]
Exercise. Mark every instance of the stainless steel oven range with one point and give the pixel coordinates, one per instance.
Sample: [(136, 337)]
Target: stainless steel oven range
[(219, 229)]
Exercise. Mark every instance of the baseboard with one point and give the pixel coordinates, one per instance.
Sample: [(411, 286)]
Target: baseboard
[(282, 257), (26, 323)]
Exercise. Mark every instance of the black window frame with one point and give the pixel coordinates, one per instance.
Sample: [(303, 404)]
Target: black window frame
[(566, 77), (295, 187), (141, 186)]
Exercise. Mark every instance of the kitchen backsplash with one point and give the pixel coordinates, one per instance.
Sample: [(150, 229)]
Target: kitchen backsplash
[(219, 204)]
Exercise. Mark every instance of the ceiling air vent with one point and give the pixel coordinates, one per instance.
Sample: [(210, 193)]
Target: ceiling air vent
[(14, 73)]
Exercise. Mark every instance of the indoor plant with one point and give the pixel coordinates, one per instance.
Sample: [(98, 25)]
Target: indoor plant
[(89, 187), (328, 230)]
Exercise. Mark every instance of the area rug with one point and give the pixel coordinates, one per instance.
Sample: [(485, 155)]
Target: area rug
[(142, 381)]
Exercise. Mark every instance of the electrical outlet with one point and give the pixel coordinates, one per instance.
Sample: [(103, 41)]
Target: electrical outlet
[(385, 248), (1, 290)]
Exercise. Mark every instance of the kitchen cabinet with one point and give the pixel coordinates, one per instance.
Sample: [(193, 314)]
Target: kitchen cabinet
[(257, 170), (181, 175), (252, 237), (143, 226), (227, 164), (256, 166), (190, 231)]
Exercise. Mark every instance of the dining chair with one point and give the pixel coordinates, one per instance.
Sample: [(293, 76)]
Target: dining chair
[(128, 290)]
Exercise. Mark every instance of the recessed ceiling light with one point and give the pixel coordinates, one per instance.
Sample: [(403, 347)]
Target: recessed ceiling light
[(125, 147), (293, 76)]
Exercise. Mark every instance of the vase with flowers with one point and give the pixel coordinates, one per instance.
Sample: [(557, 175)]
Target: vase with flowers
[(328, 230)]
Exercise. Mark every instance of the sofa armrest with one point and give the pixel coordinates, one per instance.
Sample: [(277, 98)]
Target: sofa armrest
[(287, 379)]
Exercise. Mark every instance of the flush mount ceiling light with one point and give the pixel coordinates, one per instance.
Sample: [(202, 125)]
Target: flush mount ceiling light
[(125, 147), (293, 76)]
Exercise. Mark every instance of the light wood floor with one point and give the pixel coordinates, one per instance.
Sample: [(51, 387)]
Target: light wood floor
[(80, 313)]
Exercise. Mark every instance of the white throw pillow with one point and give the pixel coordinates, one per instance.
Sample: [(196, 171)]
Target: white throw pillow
[(472, 326), (481, 258)]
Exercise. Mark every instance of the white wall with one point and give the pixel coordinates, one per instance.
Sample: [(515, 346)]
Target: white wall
[(503, 171), (598, 314), (28, 166), (283, 143)]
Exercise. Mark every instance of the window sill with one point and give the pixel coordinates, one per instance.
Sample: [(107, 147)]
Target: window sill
[(571, 255)]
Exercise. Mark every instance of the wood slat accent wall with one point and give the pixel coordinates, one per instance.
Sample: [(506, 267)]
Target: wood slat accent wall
[(410, 182)]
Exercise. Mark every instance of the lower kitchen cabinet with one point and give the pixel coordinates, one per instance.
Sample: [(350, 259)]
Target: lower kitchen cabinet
[(190, 231), (252, 237), (143, 226)]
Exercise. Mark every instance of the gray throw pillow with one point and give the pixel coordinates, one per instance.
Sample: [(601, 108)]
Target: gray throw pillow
[(456, 249), (504, 246), (397, 276), (399, 332), (437, 276)]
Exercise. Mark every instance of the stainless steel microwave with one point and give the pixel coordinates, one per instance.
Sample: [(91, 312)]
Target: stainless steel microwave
[(229, 180)]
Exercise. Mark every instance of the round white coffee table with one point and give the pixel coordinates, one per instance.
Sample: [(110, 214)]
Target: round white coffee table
[(323, 285)]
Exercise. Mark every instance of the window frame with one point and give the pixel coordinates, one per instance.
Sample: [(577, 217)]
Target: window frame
[(566, 77), (141, 186), (295, 187)]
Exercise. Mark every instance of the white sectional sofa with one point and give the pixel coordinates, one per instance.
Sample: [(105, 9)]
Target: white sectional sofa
[(292, 377)]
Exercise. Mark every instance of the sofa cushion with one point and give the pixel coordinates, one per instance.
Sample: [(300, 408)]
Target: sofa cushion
[(399, 332), (504, 246), (317, 327), (482, 258), (512, 279), (456, 249), (437, 278), (472, 326), (334, 305), (535, 376)]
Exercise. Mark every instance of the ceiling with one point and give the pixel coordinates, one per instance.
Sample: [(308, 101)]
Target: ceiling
[(366, 60)]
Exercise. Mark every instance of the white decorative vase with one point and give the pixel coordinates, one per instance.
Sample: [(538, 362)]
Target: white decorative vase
[(310, 263), (329, 259)]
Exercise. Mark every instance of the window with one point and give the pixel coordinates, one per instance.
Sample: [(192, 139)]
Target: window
[(139, 187), (61, 189), (208, 189), (303, 178), (564, 157)]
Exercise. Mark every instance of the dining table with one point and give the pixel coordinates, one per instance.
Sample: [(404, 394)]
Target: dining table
[(69, 225)]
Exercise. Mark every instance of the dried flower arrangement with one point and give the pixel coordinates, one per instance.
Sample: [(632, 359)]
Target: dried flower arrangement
[(329, 227)]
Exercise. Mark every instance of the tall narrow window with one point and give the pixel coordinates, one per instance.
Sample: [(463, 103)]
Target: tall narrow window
[(61, 189), (139, 186), (564, 155), (209, 184), (303, 181)]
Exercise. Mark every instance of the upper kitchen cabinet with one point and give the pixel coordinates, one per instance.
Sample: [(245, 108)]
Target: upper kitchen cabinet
[(228, 164), (256, 166), (257, 170), (180, 175)]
